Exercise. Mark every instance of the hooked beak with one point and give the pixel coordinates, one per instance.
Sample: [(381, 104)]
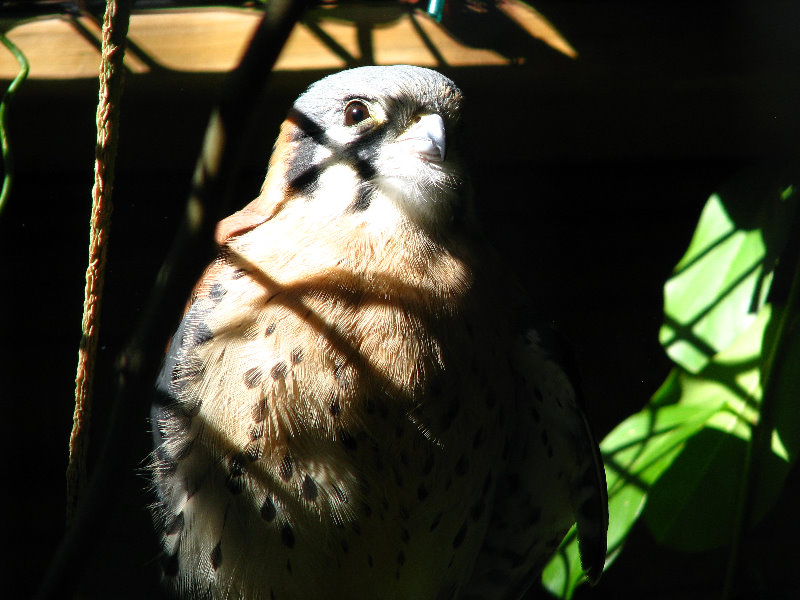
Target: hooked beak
[(426, 137)]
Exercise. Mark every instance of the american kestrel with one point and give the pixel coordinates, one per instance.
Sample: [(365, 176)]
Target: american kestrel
[(355, 404)]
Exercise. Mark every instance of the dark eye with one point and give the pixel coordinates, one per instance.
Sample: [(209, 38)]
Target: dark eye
[(355, 112)]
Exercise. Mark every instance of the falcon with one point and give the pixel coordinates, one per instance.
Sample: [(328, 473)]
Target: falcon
[(357, 403)]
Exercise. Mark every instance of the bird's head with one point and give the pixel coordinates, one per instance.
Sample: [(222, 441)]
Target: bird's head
[(378, 143)]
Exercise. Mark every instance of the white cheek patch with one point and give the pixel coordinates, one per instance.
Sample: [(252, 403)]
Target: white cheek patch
[(383, 214), (339, 135), (399, 160), (423, 190), (336, 191), (321, 154)]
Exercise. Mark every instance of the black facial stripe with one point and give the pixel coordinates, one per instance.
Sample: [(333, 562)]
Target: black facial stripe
[(303, 174), (360, 155), (306, 127)]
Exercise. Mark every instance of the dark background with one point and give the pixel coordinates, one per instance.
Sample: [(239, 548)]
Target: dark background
[(591, 174)]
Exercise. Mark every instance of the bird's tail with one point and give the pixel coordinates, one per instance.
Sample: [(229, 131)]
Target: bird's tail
[(592, 511)]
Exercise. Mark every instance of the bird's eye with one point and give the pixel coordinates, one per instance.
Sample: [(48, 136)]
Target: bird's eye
[(355, 112)]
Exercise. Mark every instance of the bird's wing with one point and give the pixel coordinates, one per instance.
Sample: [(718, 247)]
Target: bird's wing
[(238, 223), (544, 349), (553, 476)]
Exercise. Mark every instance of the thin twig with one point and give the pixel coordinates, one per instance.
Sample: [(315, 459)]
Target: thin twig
[(8, 157)]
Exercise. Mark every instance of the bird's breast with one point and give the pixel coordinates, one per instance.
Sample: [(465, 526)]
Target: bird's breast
[(341, 413)]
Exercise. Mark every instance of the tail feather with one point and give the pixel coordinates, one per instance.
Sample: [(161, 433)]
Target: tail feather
[(592, 512)]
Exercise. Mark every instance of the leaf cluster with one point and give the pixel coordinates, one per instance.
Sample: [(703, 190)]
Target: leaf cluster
[(707, 457)]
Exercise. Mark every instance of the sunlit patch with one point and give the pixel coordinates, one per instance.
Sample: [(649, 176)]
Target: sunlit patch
[(537, 26), (423, 189), (778, 446), (338, 184)]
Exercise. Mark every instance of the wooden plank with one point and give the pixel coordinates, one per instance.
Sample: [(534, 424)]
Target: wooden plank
[(212, 40), (576, 81)]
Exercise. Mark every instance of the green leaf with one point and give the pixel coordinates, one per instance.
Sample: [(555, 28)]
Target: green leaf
[(717, 440), (732, 470), (563, 573), (693, 505), (714, 294)]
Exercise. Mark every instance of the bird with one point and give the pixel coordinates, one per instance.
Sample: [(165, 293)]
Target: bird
[(360, 401)]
